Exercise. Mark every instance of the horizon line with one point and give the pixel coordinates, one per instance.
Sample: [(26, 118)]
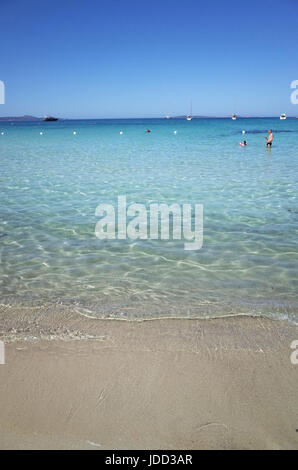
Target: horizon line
[(239, 116)]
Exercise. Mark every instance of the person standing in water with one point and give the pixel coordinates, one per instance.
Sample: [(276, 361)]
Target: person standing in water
[(269, 139)]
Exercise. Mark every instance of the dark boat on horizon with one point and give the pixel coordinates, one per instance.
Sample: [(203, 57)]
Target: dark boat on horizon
[(50, 118)]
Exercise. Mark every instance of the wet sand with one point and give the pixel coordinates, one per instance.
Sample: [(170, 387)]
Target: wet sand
[(226, 383)]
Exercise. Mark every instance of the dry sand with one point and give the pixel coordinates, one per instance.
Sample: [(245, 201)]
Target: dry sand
[(163, 384)]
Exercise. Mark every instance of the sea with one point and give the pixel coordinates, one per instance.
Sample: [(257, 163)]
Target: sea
[(53, 175)]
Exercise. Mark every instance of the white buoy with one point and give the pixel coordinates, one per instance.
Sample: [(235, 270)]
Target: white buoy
[(41, 133), (2, 133), (175, 132), (243, 132), (121, 132), (74, 133)]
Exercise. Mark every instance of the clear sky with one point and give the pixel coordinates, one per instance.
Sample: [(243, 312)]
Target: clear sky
[(138, 58)]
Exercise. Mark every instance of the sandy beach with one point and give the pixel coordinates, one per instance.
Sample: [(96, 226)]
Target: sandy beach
[(226, 383)]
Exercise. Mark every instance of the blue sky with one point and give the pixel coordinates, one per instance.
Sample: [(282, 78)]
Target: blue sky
[(110, 58)]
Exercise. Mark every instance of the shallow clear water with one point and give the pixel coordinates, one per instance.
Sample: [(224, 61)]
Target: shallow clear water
[(52, 183)]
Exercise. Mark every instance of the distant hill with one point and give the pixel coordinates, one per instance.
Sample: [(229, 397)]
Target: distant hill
[(20, 118)]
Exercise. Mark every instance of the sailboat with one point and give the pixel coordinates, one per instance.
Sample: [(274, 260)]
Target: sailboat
[(167, 117), (189, 117), (283, 116), (234, 117)]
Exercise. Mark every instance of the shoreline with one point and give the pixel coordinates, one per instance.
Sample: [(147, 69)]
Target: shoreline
[(225, 383), (58, 321)]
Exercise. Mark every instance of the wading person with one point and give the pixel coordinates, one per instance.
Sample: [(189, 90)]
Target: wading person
[(269, 139)]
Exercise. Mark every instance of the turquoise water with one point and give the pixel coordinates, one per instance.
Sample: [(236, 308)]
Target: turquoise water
[(52, 183)]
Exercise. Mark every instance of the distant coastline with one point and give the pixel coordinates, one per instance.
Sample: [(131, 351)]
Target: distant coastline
[(20, 118), (30, 118)]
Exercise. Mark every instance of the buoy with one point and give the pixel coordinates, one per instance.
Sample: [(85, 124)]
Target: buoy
[(121, 132), (243, 132), (41, 133), (2, 133), (74, 133), (175, 132)]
